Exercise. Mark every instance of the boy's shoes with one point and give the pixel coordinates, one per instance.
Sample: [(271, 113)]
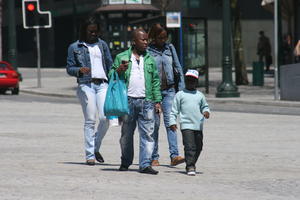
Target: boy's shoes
[(177, 160), (123, 168), (99, 157), (90, 162), (149, 170), (191, 171), (154, 163)]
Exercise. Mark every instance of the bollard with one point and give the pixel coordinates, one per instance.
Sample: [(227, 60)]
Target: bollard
[(258, 73)]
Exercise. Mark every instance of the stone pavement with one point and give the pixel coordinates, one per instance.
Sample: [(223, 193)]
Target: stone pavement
[(55, 82), (246, 156)]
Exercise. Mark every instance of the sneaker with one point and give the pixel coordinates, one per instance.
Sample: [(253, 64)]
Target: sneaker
[(154, 163), (191, 171), (99, 157), (90, 162), (177, 160), (149, 170), (123, 168)]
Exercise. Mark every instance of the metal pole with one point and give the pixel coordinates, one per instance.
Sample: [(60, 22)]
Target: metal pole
[(12, 35), (276, 10), (181, 42), (227, 88), (39, 85)]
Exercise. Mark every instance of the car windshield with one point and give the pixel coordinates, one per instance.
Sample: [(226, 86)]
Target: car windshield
[(3, 66)]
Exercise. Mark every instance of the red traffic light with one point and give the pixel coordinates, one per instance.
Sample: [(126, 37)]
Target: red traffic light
[(30, 7)]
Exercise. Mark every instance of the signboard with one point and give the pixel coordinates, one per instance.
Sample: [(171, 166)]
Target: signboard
[(173, 19), (147, 1), (133, 1), (116, 1)]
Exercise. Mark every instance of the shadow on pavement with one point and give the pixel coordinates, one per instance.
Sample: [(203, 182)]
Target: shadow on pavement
[(117, 170), (181, 172), (83, 163)]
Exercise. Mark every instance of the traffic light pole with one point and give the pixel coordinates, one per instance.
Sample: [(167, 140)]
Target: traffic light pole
[(38, 48)]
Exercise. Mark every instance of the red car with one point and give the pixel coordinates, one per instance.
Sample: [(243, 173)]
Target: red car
[(9, 78)]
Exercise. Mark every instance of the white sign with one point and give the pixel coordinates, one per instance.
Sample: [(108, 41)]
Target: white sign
[(173, 19), (134, 1), (116, 1), (147, 1)]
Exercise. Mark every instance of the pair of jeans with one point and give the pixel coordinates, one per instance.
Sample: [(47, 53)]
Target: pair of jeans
[(141, 113), (92, 97), (166, 105), (193, 143)]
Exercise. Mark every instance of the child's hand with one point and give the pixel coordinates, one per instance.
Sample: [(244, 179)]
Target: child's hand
[(173, 127), (206, 114)]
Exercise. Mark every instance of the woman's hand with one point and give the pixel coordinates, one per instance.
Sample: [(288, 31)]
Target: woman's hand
[(84, 70)]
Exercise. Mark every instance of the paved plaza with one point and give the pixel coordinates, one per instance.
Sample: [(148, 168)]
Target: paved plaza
[(245, 156)]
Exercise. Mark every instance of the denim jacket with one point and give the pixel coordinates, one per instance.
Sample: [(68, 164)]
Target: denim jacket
[(78, 56), (167, 58)]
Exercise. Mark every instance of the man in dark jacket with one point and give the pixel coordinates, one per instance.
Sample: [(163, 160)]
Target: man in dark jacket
[(264, 50)]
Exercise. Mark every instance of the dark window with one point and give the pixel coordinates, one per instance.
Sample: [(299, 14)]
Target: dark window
[(191, 3)]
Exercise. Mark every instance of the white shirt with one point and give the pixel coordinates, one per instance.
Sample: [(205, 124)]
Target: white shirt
[(96, 61), (136, 86)]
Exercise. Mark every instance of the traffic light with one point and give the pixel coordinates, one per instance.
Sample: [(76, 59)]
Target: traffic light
[(33, 17)]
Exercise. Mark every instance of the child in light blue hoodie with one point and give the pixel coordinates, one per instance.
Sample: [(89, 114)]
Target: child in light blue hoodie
[(192, 108)]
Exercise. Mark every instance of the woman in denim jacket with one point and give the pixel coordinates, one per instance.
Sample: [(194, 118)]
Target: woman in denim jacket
[(166, 58), (89, 60)]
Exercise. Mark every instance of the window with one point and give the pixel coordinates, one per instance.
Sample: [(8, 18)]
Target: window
[(191, 3), (194, 3)]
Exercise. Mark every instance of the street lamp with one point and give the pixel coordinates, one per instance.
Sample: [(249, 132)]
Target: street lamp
[(227, 88)]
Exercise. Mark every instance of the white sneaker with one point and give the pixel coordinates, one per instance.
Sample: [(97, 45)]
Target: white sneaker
[(191, 173)]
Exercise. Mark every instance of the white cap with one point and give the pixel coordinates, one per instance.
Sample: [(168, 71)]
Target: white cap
[(193, 73)]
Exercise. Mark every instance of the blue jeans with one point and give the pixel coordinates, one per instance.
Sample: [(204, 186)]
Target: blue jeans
[(92, 97), (166, 105), (141, 112)]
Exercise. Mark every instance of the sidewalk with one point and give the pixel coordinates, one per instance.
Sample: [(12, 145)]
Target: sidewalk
[(55, 82)]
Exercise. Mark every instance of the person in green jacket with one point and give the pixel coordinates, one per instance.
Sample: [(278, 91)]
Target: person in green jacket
[(139, 71)]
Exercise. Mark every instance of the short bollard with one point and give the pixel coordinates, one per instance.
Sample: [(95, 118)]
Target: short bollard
[(258, 73)]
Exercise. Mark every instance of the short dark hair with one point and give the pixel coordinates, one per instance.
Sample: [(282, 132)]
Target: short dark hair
[(92, 19), (135, 31), (155, 30)]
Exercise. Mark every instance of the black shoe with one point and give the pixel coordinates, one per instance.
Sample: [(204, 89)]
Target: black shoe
[(123, 168), (149, 170), (99, 157)]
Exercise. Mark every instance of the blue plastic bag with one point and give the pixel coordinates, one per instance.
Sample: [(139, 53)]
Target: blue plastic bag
[(116, 102)]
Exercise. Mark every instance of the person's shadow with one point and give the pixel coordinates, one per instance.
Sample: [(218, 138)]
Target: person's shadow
[(83, 163)]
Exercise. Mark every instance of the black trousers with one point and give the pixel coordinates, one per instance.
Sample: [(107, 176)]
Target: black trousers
[(193, 143)]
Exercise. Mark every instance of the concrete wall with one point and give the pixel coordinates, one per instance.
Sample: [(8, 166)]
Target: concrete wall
[(290, 82), (250, 29)]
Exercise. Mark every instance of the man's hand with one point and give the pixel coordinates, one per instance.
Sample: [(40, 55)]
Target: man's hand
[(206, 114), (173, 127), (157, 108), (123, 67), (84, 70)]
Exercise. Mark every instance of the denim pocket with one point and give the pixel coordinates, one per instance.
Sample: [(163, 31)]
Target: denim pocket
[(148, 110)]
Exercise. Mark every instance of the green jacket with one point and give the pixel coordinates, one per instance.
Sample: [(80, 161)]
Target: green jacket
[(152, 81)]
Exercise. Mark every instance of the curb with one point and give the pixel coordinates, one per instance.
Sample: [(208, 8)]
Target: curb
[(255, 102), (211, 100), (47, 94)]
